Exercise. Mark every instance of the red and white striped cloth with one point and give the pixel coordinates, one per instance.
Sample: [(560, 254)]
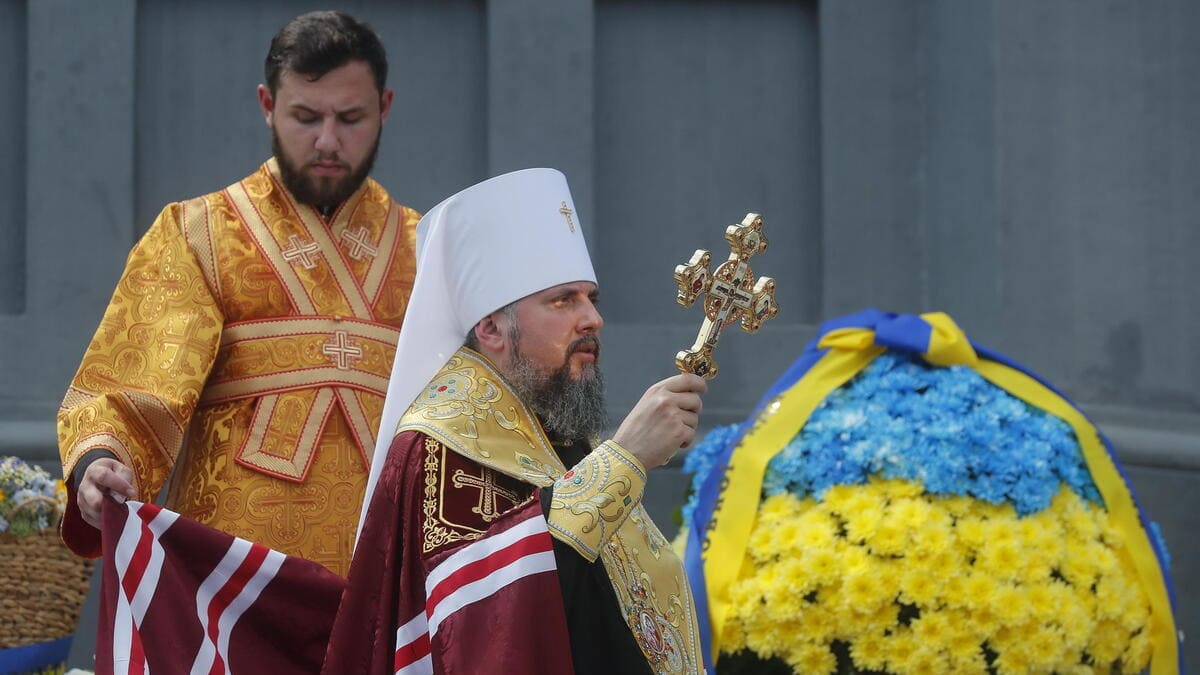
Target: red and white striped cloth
[(476, 572), (178, 596)]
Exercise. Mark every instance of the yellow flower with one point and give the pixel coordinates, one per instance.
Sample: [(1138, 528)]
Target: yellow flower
[(918, 587), (888, 539), (2, 495), (1108, 642), (971, 532), (1137, 655), (821, 565), (910, 514), (979, 590), (1045, 648), (785, 536), (899, 647), (900, 489), (932, 539), (867, 652), (817, 530), (1012, 662), (1010, 606), (863, 525), (1001, 558), (776, 508), (927, 659), (932, 627), (862, 592), (812, 659)]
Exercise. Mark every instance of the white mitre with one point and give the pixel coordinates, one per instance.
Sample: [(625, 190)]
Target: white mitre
[(477, 251)]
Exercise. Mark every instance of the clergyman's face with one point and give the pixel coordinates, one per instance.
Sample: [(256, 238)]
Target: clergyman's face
[(560, 328), (325, 132), (553, 366)]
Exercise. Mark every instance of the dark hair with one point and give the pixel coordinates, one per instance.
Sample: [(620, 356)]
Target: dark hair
[(315, 43)]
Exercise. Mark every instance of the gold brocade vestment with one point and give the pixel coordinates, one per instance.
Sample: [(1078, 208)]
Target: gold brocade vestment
[(596, 507), (247, 348)]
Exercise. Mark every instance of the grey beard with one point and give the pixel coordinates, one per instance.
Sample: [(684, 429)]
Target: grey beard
[(569, 409)]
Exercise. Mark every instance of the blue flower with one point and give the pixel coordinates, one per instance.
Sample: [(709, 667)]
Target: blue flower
[(948, 429)]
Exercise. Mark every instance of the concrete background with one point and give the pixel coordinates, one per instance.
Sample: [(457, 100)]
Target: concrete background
[(1030, 167)]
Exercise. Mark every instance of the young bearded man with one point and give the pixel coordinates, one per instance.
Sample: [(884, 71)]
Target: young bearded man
[(248, 343), (501, 534)]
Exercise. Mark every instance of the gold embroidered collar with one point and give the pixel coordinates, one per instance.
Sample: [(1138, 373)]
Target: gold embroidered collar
[(469, 407)]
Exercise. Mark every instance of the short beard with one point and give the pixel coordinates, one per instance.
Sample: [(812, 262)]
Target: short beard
[(321, 194), (569, 409)]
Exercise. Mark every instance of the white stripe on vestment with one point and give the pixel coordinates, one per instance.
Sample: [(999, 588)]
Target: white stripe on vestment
[(130, 611), (410, 632), (482, 549), (478, 590), (216, 580)]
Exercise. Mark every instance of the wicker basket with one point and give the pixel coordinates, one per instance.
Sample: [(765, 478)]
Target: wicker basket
[(42, 587)]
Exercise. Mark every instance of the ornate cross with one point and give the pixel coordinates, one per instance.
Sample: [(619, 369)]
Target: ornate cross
[(300, 250), (566, 211), (732, 295), (488, 491), (359, 244), (341, 350)]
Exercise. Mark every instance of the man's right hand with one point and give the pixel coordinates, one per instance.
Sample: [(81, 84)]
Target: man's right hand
[(664, 420), (104, 477)]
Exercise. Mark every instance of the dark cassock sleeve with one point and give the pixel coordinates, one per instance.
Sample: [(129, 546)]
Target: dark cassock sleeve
[(454, 573)]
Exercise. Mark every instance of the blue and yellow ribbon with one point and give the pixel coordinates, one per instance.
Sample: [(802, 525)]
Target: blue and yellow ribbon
[(727, 502)]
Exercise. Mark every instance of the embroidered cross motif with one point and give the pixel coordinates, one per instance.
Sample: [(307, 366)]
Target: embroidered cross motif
[(341, 350), (731, 295), (360, 245), (286, 513), (566, 211), (300, 250), (182, 344), (487, 508)]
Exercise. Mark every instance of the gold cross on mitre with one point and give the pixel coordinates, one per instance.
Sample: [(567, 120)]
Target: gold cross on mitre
[(566, 211), (731, 294)]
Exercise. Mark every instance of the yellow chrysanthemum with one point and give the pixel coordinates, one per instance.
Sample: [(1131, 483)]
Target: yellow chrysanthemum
[(777, 507), (1000, 558), (1012, 662), (926, 659), (862, 592), (821, 565), (900, 489), (818, 623), (917, 587), (812, 659), (863, 525), (933, 539), (1137, 655), (1108, 642), (817, 530), (1045, 648), (867, 652), (970, 532), (1010, 605), (889, 539), (899, 648)]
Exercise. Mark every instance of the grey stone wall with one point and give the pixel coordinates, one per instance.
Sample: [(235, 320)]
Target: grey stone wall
[(1029, 167)]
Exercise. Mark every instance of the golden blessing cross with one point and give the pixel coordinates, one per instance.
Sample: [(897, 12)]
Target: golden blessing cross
[(731, 294)]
